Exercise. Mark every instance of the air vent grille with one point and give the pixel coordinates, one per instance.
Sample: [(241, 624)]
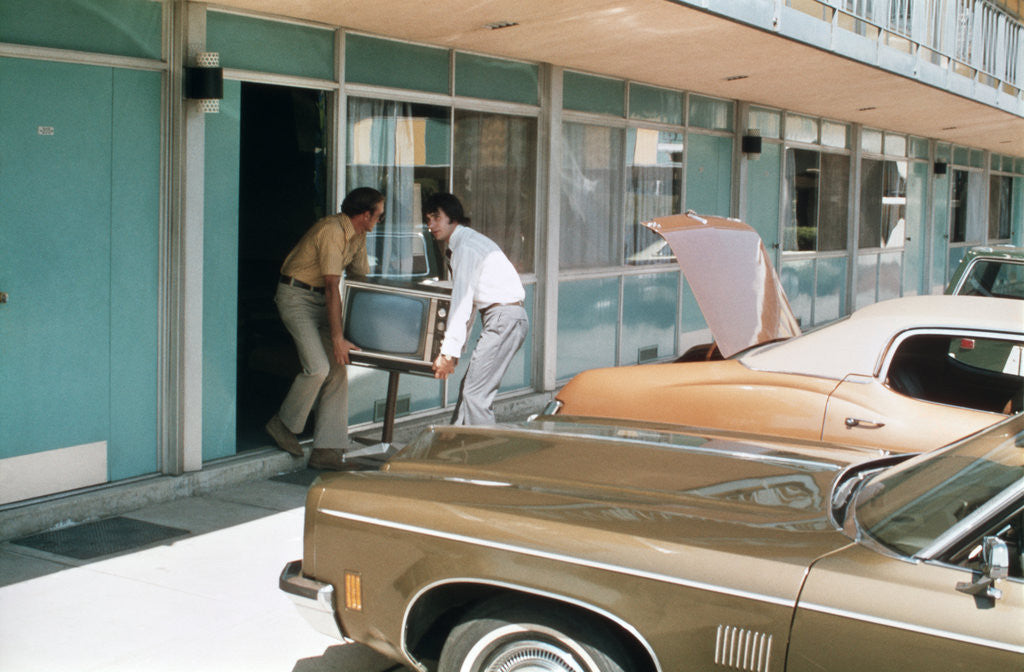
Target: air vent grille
[(741, 649)]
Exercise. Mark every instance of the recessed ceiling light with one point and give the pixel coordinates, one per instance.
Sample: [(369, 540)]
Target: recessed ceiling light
[(949, 128), (733, 78), (498, 25), (866, 109)]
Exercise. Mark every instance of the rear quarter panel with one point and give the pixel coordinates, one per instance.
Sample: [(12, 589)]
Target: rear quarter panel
[(408, 536)]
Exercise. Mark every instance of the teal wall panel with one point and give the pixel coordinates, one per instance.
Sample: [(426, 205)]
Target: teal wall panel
[(135, 274), (248, 43), (709, 175), (367, 389), (119, 27), (496, 79), (938, 274), (764, 177), (650, 305), (1017, 231), (588, 318), (220, 276), (370, 60), (866, 289), (55, 205), (916, 225)]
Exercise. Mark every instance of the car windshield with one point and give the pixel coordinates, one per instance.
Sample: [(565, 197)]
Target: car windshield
[(909, 506)]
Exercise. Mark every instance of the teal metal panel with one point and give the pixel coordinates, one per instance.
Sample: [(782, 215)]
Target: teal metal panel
[(916, 224), (648, 103), (370, 60), (588, 322), (368, 388), (830, 289), (709, 175), (135, 274), (692, 319), (496, 79), (248, 43), (1018, 212), (798, 280), (940, 233), (890, 273), (220, 275), (650, 306), (588, 93), (55, 205), (764, 186), (119, 27)]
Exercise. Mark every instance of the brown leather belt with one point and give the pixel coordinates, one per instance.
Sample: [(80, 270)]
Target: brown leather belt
[(289, 280), (498, 305)]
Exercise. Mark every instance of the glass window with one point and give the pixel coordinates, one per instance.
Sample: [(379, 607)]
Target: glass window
[(588, 93), (401, 149), (496, 79), (371, 60), (652, 104), (895, 145), (871, 141), (967, 209), (716, 115), (767, 122), (818, 191), (591, 214), (883, 204), (495, 161), (654, 173), (1000, 207), (835, 135), (801, 129)]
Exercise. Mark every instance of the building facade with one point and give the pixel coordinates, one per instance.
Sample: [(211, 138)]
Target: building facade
[(141, 232)]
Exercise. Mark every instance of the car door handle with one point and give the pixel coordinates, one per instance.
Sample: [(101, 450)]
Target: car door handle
[(866, 424)]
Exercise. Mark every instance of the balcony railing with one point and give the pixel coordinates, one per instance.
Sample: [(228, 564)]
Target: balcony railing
[(974, 38)]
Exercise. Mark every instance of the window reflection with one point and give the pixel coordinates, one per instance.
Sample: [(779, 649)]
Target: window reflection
[(655, 178)]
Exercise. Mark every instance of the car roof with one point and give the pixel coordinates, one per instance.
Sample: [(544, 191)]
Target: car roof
[(731, 275), (856, 344)]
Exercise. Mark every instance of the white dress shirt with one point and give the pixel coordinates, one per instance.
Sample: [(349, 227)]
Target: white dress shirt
[(481, 276)]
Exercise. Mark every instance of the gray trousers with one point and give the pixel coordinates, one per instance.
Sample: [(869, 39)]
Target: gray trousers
[(504, 330), (322, 384)]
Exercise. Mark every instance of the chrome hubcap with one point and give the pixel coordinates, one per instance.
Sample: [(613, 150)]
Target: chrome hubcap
[(532, 656)]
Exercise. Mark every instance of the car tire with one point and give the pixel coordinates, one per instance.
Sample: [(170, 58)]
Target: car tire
[(509, 635)]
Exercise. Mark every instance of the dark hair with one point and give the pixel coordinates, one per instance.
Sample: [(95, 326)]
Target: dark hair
[(449, 205), (360, 200)]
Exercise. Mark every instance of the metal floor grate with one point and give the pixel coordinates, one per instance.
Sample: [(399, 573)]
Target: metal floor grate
[(104, 537)]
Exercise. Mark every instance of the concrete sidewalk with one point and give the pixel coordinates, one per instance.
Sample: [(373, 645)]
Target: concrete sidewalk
[(207, 598), (204, 601)]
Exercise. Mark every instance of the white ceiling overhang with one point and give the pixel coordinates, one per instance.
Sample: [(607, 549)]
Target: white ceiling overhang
[(664, 43)]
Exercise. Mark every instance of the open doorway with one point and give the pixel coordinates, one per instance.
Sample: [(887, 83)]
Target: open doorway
[(282, 191)]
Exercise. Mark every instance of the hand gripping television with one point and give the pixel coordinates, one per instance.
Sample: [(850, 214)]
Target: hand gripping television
[(398, 326)]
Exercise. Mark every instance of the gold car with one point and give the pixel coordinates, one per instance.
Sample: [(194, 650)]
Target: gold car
[(563, 546), (903, 375)]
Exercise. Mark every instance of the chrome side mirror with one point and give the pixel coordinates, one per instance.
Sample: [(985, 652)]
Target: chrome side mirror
[(995, 565)]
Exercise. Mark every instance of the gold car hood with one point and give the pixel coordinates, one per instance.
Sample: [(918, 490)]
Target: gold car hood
[(732, 278)]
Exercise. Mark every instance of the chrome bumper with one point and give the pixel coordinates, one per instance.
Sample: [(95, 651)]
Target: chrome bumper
[(313, 599)]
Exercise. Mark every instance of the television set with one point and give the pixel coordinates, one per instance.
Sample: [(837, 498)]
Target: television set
[(398, 326)]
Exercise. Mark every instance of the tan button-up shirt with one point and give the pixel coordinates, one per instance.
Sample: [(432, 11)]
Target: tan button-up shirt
[(329, 247)]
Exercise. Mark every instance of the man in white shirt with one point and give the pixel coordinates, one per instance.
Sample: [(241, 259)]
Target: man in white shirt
[(484, 281)]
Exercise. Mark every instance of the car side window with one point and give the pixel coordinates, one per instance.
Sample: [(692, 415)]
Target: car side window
[(1011, 530), (994, 278), (984, 374)]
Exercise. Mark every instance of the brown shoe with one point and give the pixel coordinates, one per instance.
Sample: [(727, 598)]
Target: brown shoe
[(329, 458), (284, 437)]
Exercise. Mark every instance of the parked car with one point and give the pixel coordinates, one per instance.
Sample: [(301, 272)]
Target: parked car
[(562, 546), (990, 271), (903, 375)]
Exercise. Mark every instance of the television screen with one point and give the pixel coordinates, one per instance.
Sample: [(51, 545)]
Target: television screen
[(391, 323)]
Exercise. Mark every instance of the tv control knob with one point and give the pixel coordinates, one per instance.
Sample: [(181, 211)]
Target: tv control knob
[(441, 312), (440, 326)]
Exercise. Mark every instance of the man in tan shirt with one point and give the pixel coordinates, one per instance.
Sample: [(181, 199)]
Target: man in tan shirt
[(309, 301)]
